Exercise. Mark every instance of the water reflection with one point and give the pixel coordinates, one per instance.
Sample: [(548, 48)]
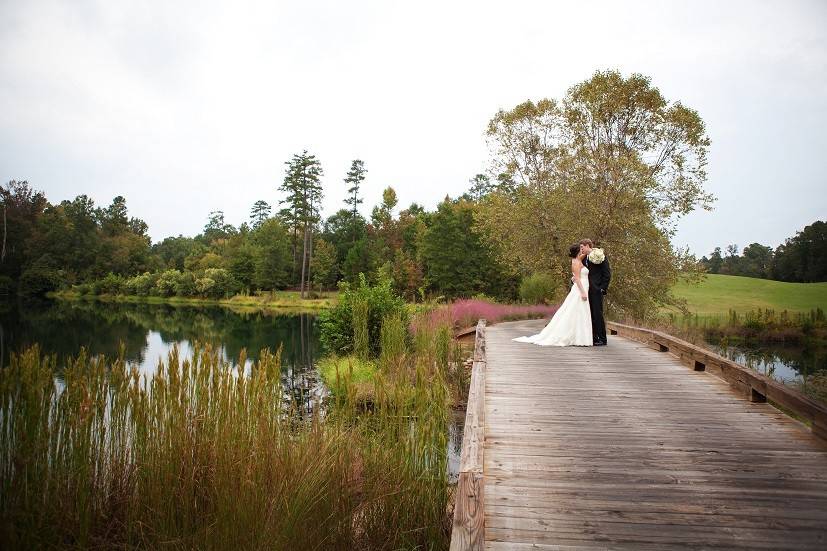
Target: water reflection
[(149, 331), (456, 428), (788, 364)]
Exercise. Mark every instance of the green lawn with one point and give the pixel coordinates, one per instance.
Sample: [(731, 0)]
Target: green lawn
[(718, 294)]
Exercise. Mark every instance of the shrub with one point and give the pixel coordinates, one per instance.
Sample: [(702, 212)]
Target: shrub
[(539, 287), (204, 286), (110, 285), (141, 285), (379, 301), (224, 284), (84, 289), (185, 285), (40, 278), (167, 283)]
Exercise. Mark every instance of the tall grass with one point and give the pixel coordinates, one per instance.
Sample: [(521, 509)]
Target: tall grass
[(765, 325), (361, 331), (202, 456)]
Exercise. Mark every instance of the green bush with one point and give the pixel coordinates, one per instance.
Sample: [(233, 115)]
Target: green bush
[(223, 283), (539, 287), (204, 286), (110, 285), (337, 324), (141, 285), (84, 289), (40, 278), (167, 283), (185, 285)]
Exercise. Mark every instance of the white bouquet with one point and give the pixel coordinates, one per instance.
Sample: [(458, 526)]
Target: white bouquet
[(597, 256)]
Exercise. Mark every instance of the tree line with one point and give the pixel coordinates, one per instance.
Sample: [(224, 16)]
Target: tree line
[(802, 258), (612, 160), (75, 244)]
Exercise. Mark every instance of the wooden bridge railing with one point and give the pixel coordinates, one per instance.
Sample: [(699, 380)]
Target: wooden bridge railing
[(469, 515), (744, 381)]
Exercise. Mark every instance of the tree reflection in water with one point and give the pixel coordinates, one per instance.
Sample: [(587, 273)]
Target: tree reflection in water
[(149, 331), (789, 364)]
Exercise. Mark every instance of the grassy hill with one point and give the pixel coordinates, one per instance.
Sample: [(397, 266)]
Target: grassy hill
[(720, 293)]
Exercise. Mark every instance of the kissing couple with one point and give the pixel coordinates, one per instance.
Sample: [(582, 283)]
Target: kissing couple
[(579, 320)]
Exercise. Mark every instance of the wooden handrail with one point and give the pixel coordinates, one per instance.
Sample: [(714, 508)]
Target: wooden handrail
[(745, 382), (468, 532)]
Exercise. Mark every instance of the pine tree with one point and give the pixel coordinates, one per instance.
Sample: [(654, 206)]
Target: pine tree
[(259, 213), (354, 178), (304, 196)]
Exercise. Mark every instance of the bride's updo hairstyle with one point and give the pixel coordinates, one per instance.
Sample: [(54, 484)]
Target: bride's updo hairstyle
[(574, 250)]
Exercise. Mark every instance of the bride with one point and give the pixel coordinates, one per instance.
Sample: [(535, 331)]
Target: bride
[(571, 325)]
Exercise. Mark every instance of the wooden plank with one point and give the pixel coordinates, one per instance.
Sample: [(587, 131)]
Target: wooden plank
[(744, 381), (625, 447), (468, 530)]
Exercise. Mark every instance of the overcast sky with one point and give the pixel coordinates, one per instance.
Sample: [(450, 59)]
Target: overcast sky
[(188, 109)]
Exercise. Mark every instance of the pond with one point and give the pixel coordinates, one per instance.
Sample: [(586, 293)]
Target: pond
[(149, 331), (784, 363)]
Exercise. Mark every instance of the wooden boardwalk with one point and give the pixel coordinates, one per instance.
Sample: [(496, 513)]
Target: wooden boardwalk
[(624, 447)]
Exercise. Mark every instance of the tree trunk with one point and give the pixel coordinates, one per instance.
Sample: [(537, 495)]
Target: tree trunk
[(310, 261), (304, 261), (3, 254)]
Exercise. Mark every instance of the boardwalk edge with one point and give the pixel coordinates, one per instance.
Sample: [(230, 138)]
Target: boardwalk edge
[(468, 531), (745, 382)]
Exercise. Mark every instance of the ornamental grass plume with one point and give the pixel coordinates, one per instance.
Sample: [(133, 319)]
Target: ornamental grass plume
[(200, 456), (466, 313)]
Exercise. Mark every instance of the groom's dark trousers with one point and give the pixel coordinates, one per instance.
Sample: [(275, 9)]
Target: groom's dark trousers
[(596, 306), (599, 277)]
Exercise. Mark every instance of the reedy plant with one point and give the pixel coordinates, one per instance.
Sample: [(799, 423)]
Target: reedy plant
[(202, 455)]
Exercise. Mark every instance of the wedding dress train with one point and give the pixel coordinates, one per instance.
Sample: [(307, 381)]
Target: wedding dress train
[(571, 325)]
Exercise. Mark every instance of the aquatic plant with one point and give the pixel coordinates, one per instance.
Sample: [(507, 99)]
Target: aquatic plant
[(204, 456)]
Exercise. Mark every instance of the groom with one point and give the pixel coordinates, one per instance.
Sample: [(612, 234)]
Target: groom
[(599, 277)]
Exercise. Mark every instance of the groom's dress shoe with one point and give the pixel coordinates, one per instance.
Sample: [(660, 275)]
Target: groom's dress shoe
[(598, 343)]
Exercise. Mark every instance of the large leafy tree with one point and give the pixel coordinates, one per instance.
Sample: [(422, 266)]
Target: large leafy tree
[(458, 260), (385, 228), (21, 206), (756, 260), (172, 251), (324, 260), (803, 257), (217, 228), (613, 161), (340, 229), (272, 261)]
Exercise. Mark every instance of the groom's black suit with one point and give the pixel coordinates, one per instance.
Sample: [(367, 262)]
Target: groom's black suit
[(599, 277)]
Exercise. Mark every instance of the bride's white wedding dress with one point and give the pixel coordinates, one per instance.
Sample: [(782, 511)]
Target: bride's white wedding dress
[(571, 325)]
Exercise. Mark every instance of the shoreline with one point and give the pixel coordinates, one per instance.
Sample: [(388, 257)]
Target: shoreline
[(280, 300)]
